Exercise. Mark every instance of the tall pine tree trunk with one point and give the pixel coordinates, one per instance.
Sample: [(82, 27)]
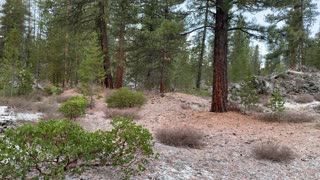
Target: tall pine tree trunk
[(120, 55), (104, 44), (220, 81), (162, 71), (66, 49), (202, 46)]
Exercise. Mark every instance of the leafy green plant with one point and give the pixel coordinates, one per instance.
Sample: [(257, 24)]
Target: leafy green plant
[(248, 95), (53, 90), (53, 148), (124, 98), (276, 102), (74, 107)]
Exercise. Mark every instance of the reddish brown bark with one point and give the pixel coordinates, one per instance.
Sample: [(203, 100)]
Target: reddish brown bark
[(162, 69), (220, 81), (120, 56), (104, 45)]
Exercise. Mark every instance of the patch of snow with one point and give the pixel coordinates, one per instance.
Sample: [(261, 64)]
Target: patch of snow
[(7, 114), (295, 72), (298, 106)]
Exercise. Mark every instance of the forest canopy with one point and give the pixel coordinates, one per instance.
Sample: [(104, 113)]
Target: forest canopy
[(151, 44)]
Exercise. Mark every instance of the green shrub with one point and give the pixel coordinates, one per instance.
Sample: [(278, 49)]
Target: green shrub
[(56, 147), (276, 102), (74, 107), (53, 90), (248, 95), (124, 98)]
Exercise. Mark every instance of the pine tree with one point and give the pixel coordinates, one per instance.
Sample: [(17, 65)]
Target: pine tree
[(297, 15), (15, 79), (157, 45), (255, 61), (90, 70), (313, 52), (239, 66), (13, 17)]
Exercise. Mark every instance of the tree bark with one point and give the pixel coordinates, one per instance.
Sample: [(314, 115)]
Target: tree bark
[(104, 45), (162, 87), (220, 81), (120, 55), (202, 46), (66, 49)]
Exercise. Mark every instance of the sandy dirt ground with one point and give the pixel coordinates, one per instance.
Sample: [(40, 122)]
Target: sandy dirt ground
[(228, 137)]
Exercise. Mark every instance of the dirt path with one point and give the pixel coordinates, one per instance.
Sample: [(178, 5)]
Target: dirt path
[(229, 138)]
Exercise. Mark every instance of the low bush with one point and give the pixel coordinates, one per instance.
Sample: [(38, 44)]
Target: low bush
[(180, 137), (276, 102), (304, 98), (317, 96), (74, 107), (124, 98), (286, 117), (131, 113), (53, 148), (53, 90), (274, 152)]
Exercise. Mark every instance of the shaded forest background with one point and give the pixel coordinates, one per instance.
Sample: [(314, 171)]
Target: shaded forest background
[(150, 44)]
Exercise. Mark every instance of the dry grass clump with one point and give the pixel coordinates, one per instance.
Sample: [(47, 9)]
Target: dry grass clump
[(269, 117), (20, 104), (62, 98), (286, 117), (317, 96), (46, 108), (317, 126), (295, 117), (185, 106), (131, 113), (304, 98), (234, 106), (257, 109), (180, 137), (273, 152)]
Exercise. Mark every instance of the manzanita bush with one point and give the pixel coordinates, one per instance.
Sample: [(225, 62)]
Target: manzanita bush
[(74, 107), (53, 148)]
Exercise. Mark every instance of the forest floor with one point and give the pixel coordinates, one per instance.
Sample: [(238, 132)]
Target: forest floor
[(228, 139)]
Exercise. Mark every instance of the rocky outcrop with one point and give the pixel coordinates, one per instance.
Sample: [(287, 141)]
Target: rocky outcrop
[(6, 124), (6, 118), (294, 82), (289, 82)]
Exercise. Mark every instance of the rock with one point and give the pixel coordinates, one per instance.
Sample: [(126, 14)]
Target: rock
[(262, 86), (6, 124)]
